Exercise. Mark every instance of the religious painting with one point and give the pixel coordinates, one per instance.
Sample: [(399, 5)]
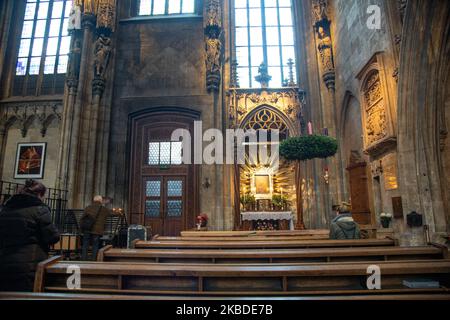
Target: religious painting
[(262, 183), (30, 160)]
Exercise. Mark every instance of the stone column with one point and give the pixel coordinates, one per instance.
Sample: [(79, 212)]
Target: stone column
[(331, 193), (74, 145)]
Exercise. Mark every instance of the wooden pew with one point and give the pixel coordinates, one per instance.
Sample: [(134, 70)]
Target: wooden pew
[(73, 296), (246, 234), (267, 244), (241, 280), (190, 256), (252, 238)]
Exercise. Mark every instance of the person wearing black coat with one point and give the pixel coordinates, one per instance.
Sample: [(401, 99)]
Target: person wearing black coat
[(26, 232)]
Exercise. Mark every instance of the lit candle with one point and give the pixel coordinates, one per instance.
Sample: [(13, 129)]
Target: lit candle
[(281, 191), (310, 128)]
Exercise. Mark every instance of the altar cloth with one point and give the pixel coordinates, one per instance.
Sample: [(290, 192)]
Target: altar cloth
[(269, 215)]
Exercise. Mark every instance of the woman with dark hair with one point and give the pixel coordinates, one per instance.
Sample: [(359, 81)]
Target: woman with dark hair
[(26, 232)]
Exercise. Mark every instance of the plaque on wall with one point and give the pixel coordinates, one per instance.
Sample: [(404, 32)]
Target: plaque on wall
[(390, 176)]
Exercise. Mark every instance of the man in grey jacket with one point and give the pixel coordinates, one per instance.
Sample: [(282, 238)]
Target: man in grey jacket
[(343, 227)]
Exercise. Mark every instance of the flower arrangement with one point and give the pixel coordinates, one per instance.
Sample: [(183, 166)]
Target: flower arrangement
[(202, 220), (280, 201), (248, 201), (385, 219)]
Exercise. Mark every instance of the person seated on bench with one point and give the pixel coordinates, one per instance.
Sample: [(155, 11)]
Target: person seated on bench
[(343, 227), (26, 232), (93, 226)]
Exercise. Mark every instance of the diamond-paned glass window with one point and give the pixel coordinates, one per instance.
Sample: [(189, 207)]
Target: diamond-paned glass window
[(174, 208), (152, 208), (165, 153), (153, 188), (174, 188)]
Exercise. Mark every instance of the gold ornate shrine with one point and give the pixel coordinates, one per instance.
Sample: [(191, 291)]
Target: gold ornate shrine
[(265, 187)]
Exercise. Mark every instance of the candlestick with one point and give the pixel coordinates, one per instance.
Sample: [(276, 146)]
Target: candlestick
[(310, 128)]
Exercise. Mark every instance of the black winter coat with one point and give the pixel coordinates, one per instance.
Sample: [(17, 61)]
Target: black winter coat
[(26, 232)]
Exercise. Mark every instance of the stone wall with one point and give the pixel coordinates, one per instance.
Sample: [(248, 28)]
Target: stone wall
[(355, 45), (161, 63), (52, 138)]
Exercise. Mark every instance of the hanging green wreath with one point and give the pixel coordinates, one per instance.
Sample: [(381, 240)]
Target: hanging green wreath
[(308, 147)]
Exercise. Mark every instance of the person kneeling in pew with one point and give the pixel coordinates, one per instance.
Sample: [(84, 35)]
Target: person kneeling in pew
[(343, 227)]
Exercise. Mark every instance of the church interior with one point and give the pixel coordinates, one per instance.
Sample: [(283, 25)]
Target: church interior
[(351, 97)]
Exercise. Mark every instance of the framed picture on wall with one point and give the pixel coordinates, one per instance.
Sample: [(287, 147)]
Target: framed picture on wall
[(30, 161)]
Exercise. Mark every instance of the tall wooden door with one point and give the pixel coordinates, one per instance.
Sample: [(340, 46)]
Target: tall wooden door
[(164, 191), (165, 204), (359, 192)]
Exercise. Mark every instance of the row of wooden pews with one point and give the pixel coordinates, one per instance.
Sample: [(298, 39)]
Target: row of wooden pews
[(270, 267)]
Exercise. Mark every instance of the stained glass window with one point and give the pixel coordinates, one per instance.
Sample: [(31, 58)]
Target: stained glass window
[(165, 7), (264, 33), (44, 39)]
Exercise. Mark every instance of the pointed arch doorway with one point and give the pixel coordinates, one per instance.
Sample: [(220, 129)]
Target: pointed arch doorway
[(263, 181)]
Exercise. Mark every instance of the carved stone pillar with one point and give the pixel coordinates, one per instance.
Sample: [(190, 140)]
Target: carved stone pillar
[(213, 46)]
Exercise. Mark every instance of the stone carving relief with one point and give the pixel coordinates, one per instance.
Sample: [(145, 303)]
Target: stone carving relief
[(213, 53), (29, 114), (322, 27), (319, 10), (102, 53), (106, 14), (376, 122), (326, 51), (213, 45), (90, 6), (289, 101)]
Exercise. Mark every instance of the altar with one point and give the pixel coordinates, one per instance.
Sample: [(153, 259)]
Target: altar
[(267, 220)]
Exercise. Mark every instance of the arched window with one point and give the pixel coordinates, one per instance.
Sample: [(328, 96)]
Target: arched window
[(166, 7), (264, 33), (44, 47)]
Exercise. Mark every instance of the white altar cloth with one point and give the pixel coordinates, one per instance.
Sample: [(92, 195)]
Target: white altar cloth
[(269, 215)]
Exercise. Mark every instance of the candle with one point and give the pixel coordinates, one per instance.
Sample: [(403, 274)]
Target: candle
[(281, 191), (310, 128)]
